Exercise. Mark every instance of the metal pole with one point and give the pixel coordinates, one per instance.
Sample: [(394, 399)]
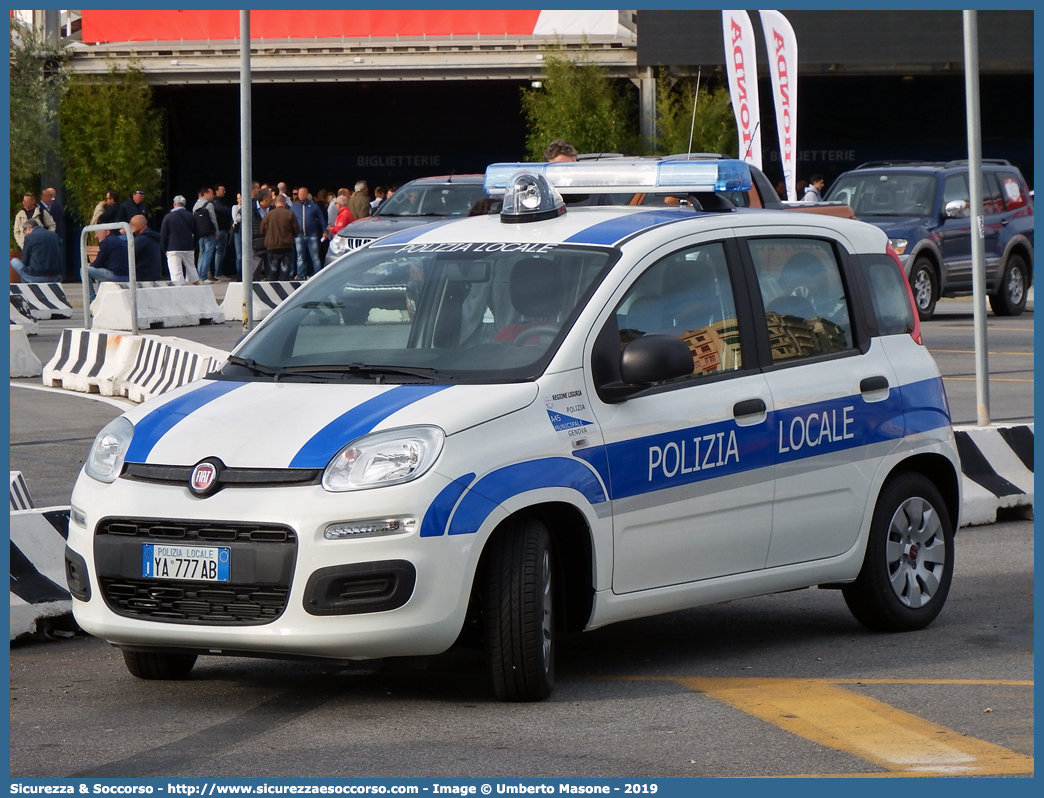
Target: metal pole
[(246, 169), (978, 232), (132, 269)]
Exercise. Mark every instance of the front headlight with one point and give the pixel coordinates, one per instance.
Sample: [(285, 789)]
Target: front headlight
[(898, 244), (105, 460), (339, 245), (384, 458)]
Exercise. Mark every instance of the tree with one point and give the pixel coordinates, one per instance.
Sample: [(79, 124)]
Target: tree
[(715, 123), (111, 137), (38, 75), (580, 103)]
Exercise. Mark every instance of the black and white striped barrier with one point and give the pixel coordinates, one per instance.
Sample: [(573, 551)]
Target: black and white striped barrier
[(46, 300), (158, 305), (24, 362), (38, 591), (22, 314), (997, 464), (166, 363), (20, 498), (134, 366), (267, 296)]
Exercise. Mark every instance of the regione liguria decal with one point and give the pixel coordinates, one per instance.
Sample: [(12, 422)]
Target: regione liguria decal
[(568, 412)]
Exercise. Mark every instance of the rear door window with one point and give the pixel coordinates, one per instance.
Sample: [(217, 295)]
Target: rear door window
[(806, 305)]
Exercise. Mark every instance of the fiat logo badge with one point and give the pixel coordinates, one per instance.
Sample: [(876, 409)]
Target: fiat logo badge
[(204, 478)]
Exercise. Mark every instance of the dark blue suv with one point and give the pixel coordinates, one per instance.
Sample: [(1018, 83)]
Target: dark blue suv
[(924, 209)]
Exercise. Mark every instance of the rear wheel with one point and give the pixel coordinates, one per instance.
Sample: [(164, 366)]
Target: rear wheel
[(152, 666), (517, 608), (1010, 297), (925, 285), (908, 563)]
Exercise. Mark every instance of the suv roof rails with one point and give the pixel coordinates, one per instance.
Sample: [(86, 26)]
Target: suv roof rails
[(894, 162), (991, 161)]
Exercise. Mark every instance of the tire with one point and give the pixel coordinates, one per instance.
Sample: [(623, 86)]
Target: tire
[(925, 286), (908, 565), (517, 611), (166, 667), (1010, 297)]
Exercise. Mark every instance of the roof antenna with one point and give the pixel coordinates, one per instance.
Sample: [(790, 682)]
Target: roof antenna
[(695, 99)]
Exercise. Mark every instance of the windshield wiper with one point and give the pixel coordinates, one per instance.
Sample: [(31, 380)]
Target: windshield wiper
[(364, 370), (254, 366)]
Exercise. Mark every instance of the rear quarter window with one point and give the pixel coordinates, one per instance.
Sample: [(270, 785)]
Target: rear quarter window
[(888, 295), (1011, 189)]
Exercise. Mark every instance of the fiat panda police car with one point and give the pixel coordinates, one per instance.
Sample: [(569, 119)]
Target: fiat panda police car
[(547, 420)]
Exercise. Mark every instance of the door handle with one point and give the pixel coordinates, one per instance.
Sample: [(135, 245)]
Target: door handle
[(871, 384), (748, 407)]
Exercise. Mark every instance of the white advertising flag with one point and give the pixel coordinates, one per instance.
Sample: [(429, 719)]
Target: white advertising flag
[(781, 44), (743, 83)]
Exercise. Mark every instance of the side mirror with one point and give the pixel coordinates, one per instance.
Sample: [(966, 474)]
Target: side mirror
[(647, 360), (957, 209)]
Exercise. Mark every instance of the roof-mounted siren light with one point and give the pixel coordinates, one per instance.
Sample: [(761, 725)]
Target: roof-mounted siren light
[(635, 175), (528, 197)]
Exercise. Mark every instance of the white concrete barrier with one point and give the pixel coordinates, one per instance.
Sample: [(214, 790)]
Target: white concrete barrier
[(162, 305), (79, 359), (166, 363), (22, 314), (47, 300), (38, 584), (24, 362), (267, 297), (997, 466), (20, 498)]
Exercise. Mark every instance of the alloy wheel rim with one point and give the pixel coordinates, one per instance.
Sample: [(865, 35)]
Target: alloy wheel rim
[(1016, 285), (923, 287), (916, 552)]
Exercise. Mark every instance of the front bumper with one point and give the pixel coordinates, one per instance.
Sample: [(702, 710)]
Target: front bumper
[(295, 595)]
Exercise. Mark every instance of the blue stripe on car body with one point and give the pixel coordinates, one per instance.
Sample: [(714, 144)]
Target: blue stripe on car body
[(358, 421), (438, 514), (610, 232), (408, 235), (149, 430), (500, 485)]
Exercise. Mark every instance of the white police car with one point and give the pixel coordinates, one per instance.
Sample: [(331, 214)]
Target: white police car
[(546, 420)]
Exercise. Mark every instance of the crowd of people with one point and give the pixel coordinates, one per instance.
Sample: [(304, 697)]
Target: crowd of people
[(289, 232)]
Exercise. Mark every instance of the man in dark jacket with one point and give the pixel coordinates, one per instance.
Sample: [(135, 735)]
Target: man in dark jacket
[(41, 260), (113, 211), (312, 222), (178, 235), (258, 256), (148, 254), (134, 206), (279, 229), (112, 263)]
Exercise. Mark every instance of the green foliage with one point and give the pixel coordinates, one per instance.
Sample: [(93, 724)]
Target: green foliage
[(111, 137), (38, 74), (580, 103), (715, 126)]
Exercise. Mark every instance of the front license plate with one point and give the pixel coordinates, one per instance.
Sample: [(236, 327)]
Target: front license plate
[(201, 563)]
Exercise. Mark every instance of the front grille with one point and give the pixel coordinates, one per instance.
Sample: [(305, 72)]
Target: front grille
[(186, 602), (261, 571), (355, 243)]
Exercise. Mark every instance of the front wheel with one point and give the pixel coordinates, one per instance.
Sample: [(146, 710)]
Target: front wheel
[(908, 564), (1011, 294), (517, 609), (151, 666), (925, 287)]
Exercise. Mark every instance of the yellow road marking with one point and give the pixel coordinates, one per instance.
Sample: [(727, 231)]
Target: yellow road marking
[(820, 711)]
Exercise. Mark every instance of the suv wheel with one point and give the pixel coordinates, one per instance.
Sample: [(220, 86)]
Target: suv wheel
[(925, 287), (517, 605), (908, 564), (1010, 297)]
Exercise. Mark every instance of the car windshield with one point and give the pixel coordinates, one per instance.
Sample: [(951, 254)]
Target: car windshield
[(472, 312), (432, 199), (886, 193)]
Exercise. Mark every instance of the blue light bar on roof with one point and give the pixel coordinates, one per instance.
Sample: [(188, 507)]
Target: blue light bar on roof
[(619, 175)]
